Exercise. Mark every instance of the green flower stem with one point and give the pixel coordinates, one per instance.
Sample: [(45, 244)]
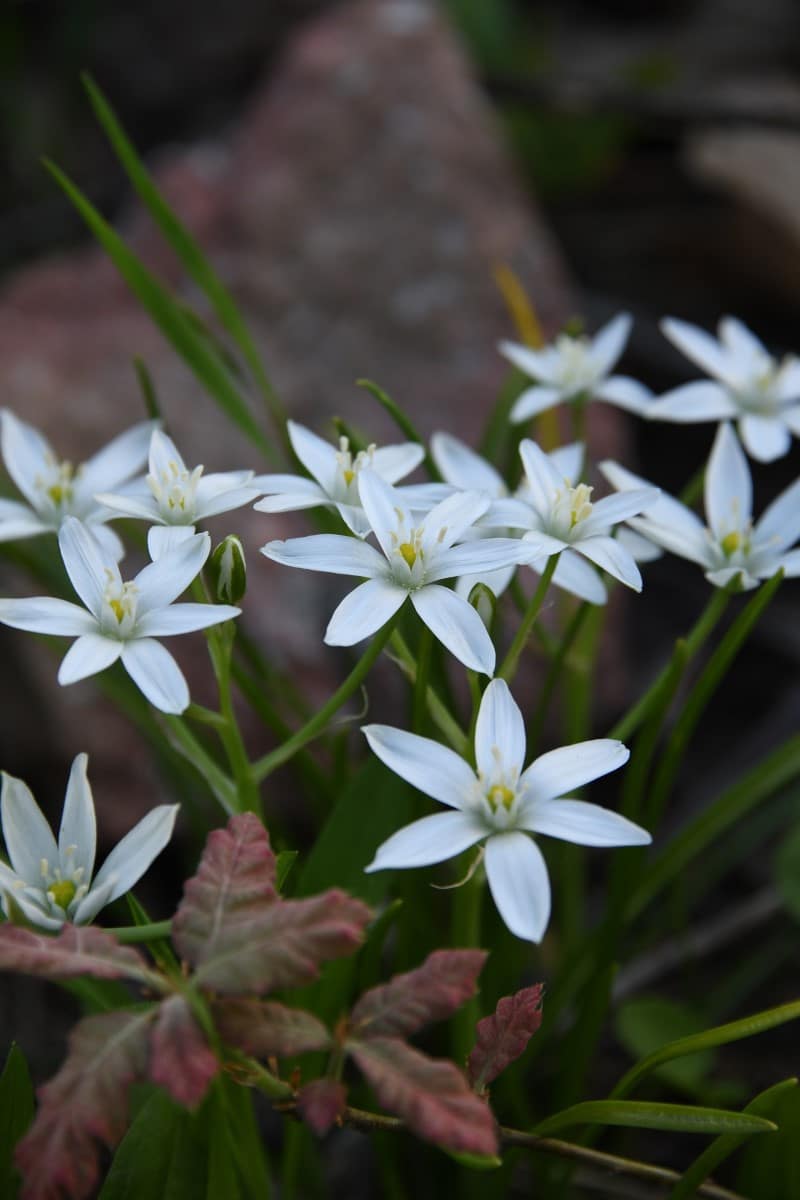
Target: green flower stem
[(508, 667), (419, 699), (186, 744), (131, 934), (466, 935), (440, 713), (701, 694), (566, 643), (318, 723), (220, 645), (694, 641), (403, 422)]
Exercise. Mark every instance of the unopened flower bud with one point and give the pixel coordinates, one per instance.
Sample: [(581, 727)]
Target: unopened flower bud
[(226, 571), (484, 601)]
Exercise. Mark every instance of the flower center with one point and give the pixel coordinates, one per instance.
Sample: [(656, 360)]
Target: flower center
[(571, 506), (500, 796), (62, 892), (120, 600), (65, 886), (575, 366), (175, 492), (57, 485), (350, 466), (409, 552)]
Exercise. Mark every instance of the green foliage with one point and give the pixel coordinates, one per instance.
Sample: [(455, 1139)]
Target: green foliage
[(16, 1114), (644, 1024)]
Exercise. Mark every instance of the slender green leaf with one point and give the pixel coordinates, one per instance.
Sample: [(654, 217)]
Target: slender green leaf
[(643, 1114), (722, 1147), (643, 1024), (283, 865), (403, 422), (770, 1170), (721, 1035), (16, 1114), (184, 245), (168, 315)]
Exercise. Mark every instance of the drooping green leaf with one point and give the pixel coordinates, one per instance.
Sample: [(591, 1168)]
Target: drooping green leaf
[(770, 1168), (645, 1023), (16, 1114), (722, 1147), (645, 1114)]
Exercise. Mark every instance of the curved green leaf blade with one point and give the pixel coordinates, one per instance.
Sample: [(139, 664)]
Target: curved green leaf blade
[(16, 1114), (645, 1114)]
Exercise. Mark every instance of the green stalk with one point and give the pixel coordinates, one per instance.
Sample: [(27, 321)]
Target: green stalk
[(566, 643), (440, 713), (509, 665), (130, 934), (419, 699), (220, 646), (466, 934), (313, 728)]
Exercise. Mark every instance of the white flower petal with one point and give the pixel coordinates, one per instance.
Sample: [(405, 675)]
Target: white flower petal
[(535, 363), (332, 552), (141, 508), (743, 344), (664, 511), (613, 509), (183, 618), (111, 547), (216, 494), (582, 823), (779, 524), (568, 461), (728, 487), (163, 539), (34, 912), (27, 455), (156, 674), (626, 393), (119, 460), (317, 456), (363, 611), (355, 519), (787, 384), (534, 400), (499, 732), (87, 656), (725, 575), (694, 545), (95, 899), (486, 554), (462, 467), (28, 837), (641, 549), (19, 521), (84, 563), (541, 546), (519, 884), (164, 455), (395, 462), (284, 493), (609, 342), (131, 857), (576, 575), (766, 438), (457, 626), (612, 557), (699, 401), (790, 563), (47, 614), (384, 507), (701, 348), (77, 835), (428, 766), (431, 840), (543, 478), (161, 582), (451, 518), (569, 767)]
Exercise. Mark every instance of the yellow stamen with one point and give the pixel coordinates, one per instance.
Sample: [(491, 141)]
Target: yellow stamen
[(118, 609), (500, 795), (63, 892), (731, 543), (349, 476), (408, 552)]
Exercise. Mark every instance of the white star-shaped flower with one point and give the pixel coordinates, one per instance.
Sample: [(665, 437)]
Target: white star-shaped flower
[(561, 518), (335, 474), (501, 804), (465, 470), (122, 620), (730, 544), (55, 489), (173, 498), (415, 554), (573, 367), (748, 385), (52, 883)]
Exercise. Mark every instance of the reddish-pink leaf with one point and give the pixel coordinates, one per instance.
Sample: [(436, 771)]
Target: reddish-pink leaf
[(429, 993), (284, 945), (234, 884), (75, 951), (85, 1103), (503, 1037), (431, 1095), (321, 1102), (262, 1028), (181, 1060)]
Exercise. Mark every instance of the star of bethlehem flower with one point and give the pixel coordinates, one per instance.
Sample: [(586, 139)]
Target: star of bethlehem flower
[(174, 498), (122, 619), (335, 473), (730, 544), (501, 805), (748, 385), (575, 367), (464, 470), (560, 518), (414, 555), (55, 489), (52, 883)]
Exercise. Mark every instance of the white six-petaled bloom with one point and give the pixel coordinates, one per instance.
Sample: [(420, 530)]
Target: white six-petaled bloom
[(561, 518), (501, 805), (573, 367), (464, 470), (335, 473), (748, 385), (52, 883), (173, 498), (415, 554), (730, 544), (55, 489), (122, 620)]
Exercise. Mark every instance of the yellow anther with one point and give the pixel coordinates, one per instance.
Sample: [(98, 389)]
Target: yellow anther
[(408, 552), (349, 476), (731, 543), (118, 609), (500, 795), (63, 892)]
